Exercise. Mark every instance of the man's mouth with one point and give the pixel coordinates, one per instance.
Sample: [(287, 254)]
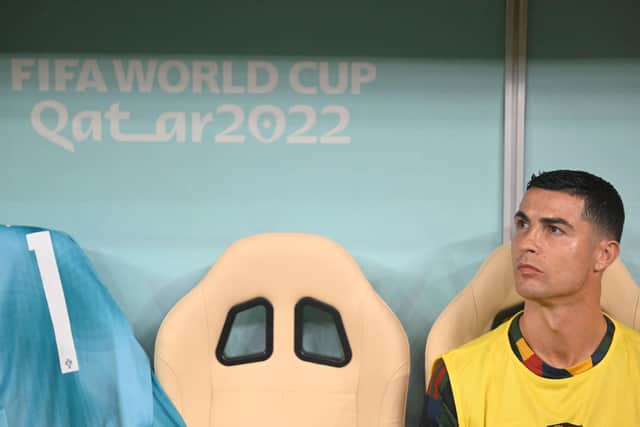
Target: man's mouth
[(528, 269)]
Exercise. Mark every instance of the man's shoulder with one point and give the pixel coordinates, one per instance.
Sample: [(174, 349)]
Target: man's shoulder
[(630, 336), (479, 347)]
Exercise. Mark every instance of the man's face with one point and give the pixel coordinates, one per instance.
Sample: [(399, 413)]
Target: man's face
[(554, 247)]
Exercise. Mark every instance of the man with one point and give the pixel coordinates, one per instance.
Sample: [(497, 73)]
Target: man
[(560, 362), (68, 356)]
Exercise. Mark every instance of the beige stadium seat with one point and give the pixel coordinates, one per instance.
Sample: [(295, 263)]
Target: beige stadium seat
[(370, 390), (491, 291)]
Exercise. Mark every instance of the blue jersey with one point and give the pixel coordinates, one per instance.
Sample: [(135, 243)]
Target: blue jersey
[(68, 356)]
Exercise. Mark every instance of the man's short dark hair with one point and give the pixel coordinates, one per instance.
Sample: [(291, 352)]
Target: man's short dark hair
[(602, 203)]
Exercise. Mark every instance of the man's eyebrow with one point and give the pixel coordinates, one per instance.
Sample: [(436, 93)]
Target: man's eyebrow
[(521, 215), (545, 221), (554, 221)]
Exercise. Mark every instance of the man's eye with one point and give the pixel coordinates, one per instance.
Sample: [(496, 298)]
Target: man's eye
[(555, 230), (520, 223)]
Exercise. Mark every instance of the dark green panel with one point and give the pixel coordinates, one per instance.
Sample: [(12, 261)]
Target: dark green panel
[(584, 29), (443, 29)]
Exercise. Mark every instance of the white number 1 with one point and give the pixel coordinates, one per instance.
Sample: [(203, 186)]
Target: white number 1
[(40, 243)]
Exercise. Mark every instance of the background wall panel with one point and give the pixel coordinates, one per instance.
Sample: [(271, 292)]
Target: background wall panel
[(415, 195)]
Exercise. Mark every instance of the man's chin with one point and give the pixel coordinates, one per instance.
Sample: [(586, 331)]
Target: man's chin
[(530, 289)]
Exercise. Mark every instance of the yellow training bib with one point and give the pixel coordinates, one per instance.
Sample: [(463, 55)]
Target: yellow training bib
[(492, 388)]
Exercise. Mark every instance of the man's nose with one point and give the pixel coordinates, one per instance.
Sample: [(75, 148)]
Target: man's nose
[(528, 240)]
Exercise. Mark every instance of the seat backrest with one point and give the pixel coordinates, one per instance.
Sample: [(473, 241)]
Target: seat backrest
[(68, 356), (277, 388), (492, 290)]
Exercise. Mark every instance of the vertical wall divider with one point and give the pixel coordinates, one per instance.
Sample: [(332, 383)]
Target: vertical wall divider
[(515, 89)]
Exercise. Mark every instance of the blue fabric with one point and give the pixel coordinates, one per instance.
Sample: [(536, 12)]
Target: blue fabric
[(114, 385)]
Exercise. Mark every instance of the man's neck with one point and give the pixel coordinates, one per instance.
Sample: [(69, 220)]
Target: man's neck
[(563, 335)]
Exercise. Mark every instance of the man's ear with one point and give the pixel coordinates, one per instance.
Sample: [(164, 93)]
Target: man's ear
[(608, 251)]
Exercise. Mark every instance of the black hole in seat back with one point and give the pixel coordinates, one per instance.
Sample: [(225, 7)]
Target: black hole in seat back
[(247, 334), (320, 336)]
